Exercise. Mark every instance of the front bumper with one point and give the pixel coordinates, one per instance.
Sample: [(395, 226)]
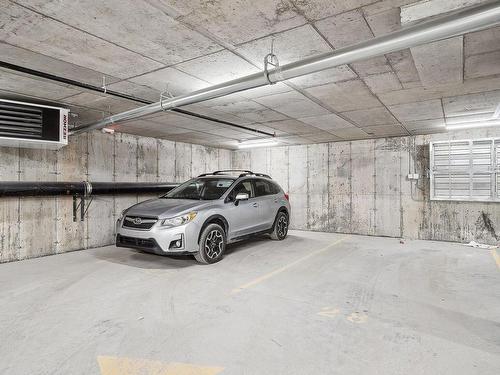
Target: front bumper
[(149, 245), (160, 240)]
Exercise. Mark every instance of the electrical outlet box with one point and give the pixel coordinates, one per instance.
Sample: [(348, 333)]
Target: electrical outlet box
[(413, 176)]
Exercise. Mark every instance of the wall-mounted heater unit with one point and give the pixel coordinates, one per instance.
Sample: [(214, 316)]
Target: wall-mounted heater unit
[(32, 125)]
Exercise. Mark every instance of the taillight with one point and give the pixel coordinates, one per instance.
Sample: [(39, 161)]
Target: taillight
[(287, 197)]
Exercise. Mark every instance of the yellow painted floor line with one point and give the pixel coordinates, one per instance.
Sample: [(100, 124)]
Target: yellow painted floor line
[(496, 257), (135, 366), (286, 267)]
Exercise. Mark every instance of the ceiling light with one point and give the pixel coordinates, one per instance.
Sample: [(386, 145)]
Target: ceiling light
[(458, 120), (258, 143), (468, 113), (470, 125)]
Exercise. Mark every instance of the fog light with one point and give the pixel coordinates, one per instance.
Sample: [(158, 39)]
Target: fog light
[(176, 244)]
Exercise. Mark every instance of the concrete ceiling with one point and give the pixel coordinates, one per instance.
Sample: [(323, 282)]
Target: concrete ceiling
[(143, 47)]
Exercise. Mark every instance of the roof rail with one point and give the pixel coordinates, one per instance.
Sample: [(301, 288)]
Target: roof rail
[(255, 174), (232, 170), (225, 171), (245, 173), (262, 175)]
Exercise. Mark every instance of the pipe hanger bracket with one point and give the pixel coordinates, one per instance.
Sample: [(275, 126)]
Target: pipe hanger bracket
[(166, 94), (83, 206), (272, 60)]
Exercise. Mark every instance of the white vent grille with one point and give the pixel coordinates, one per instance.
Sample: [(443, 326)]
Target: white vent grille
[(465, 170), (18, 120), (32, 125), (497, 168)]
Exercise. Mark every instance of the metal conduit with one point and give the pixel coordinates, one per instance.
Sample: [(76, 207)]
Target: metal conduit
[(458, 23), (87, 86)]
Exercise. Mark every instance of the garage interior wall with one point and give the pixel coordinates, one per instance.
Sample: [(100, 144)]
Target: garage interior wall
[(33, 226), (361, 187), (357, 187)]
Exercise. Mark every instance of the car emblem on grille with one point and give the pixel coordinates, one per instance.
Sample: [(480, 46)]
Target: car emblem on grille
[(137, 221)]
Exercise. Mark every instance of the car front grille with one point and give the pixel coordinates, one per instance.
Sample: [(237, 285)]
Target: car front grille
[(136, 242), (137, 222)]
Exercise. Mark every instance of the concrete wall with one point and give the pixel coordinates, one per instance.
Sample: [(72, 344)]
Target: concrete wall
[(349, 187), (361, 187), (32, 227)]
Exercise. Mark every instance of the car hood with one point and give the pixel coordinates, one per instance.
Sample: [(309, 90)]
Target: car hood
[(164, 208)]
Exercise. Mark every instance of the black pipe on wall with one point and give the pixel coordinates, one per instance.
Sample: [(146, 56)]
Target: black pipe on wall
[(84, 188), (131, 187)]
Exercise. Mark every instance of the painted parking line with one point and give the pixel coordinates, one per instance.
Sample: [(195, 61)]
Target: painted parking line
[(135, 366), (286, 267), (495, 255)]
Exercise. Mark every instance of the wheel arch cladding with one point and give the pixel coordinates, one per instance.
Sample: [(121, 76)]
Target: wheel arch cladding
[(215, 219), (283, 209)]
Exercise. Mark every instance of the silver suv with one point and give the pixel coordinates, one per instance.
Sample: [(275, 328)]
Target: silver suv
[(204, 214)]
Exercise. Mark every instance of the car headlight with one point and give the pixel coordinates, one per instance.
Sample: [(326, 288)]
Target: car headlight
[(179, 220), (120, 218)]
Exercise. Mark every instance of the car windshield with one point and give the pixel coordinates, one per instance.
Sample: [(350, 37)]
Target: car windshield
[(201, 189)]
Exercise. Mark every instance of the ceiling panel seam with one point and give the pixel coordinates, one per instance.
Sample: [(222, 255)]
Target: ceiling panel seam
[(392, 70), (232, 48), (303, 92), (335, 14), (113, 78), (388, 61), (84, 31)]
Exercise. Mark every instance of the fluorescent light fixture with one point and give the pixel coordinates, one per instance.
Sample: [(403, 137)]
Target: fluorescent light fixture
[(471, 125), (258, 143), (497, 112), (468, 113), (469, 118)]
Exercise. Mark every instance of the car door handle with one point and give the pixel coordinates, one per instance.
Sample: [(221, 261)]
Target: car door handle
[(255, 205)]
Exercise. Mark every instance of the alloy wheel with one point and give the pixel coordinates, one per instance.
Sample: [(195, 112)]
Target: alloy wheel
[(282, 226), (214, 244)]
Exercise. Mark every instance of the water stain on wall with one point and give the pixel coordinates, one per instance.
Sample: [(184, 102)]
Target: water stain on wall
[(484, 223)]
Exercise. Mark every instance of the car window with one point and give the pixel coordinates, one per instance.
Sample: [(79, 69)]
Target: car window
[(201, 189), (215, 189), (242, 187), (275, 188), (263, 187)]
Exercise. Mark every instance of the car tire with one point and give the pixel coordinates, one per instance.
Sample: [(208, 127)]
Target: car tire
[(280, 228), (212, 244)]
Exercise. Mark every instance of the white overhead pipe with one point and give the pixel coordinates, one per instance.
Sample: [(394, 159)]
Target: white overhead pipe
[(458, 23)]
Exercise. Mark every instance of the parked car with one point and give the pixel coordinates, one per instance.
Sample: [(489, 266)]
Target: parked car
[(204, 214)]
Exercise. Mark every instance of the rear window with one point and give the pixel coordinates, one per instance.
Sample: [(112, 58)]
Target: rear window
[(263, 187), (275, 188)]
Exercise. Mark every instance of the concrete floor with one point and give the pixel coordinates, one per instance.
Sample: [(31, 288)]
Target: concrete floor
[(315, 303)]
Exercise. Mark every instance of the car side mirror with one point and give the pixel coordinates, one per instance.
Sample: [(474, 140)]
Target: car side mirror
[(240, 197)]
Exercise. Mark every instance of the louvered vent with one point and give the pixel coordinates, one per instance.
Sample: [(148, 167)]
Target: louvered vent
[(18, 120), (466, 170), (497, 169), (32, 125)]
